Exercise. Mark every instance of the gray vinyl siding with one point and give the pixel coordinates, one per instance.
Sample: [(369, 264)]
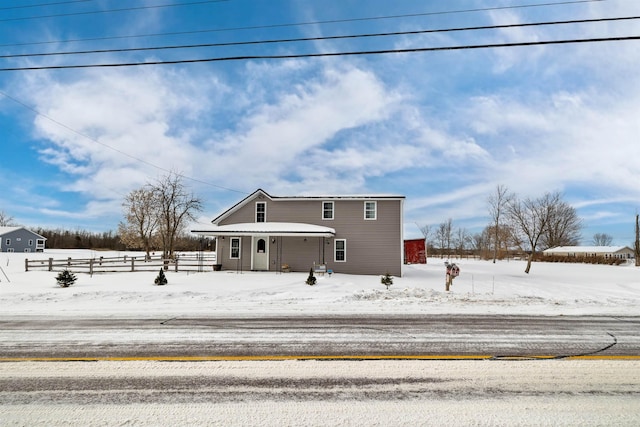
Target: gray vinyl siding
[(373, 246), (20, 240), (224, 253)]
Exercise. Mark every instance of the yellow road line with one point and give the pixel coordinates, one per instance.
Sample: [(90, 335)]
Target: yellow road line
[(315, 357)]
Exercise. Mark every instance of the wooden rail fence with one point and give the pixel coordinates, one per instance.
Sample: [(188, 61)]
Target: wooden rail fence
[(182, 262)]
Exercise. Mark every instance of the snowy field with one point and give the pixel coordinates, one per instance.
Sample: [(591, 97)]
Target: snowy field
[(481, 288), (318, 393)]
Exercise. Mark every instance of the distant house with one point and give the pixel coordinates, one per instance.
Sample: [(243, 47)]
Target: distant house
[(616, 252), (19, 239), (345, 234), (415, 251)]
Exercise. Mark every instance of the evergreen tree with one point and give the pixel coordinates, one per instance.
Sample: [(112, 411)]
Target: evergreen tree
[(311, 280), (66, 278), (387, 280), (161, 279)]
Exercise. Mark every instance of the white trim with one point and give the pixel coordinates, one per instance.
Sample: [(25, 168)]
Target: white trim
[(335, 250), (375, 210), (231, 248), (333, 210), (268, 229), (256, 211)]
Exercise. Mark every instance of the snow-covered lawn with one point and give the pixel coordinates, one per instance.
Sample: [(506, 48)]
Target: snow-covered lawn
[(482, 288)]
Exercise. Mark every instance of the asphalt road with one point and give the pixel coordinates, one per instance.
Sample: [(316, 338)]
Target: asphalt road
[(307, 337), (321, 393)]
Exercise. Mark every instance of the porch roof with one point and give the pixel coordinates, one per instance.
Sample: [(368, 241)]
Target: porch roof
[(268, 229)]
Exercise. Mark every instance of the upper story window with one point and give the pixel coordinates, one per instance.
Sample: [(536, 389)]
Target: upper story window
[(8, 242), (30, 242), (327, 210), (261, 211), (370, 210)]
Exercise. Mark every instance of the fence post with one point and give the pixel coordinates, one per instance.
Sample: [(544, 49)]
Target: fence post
[(50, 264), (176, 264), (26, 264), (69, 262), (91, 266), (133, 260)]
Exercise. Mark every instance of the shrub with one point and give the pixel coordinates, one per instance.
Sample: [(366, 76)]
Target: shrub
[(161, 279), (66, 278), (387, 280), (311, 280)]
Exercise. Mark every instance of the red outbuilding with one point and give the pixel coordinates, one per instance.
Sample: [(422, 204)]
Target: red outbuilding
[(415, 252)]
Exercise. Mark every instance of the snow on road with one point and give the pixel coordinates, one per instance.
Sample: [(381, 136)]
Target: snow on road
[(481, 393), (315, 393)]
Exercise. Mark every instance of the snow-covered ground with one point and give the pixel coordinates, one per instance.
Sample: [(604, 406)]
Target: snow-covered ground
[(481, 288), (483, 393)]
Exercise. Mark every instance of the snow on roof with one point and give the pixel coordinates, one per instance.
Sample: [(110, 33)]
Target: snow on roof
[(270, 228), (587, 249), (5, 230)]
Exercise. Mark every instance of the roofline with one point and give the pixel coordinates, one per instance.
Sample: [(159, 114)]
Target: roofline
[(238, 205), (263, 233), (19, 227), (290, 198)]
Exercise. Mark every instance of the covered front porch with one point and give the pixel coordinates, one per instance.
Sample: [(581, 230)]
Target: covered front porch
[(271, 246)]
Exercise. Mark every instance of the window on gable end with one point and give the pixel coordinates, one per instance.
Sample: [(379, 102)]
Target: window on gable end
[(261, 212)]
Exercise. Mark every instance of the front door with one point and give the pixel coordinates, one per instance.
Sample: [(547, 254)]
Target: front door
[(260, 254)]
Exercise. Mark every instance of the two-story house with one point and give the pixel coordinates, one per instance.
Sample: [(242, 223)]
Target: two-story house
[(347, 234), (19, 239)]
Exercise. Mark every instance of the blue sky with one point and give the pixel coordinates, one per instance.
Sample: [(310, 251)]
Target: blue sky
[(442, 128)]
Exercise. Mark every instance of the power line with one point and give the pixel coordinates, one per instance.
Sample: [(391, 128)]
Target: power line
[(128, 9), (299, 24), (28, 6), (138, 159), (354, 36), (326, 54)]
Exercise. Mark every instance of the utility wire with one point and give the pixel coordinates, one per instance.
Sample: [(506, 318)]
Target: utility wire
[(329, 54), (300, 24), (83, 135), (128, 9), (43, 4), (305, 39)]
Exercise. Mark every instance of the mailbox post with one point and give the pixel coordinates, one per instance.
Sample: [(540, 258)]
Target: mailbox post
[(453, 271)]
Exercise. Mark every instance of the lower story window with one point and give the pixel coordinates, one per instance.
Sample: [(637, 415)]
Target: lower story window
[(235, 248), (340, 250)]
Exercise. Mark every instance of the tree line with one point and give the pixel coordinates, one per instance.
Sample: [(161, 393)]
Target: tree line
[(517, 225)]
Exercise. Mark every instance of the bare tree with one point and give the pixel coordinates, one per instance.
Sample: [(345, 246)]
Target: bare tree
[(6, 220), (530, 218), (141, 219), (563, 227), (602, 239), (462, 240), (444, 236), (480, 243), (175, 207), (498, 202), (426, 232)]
